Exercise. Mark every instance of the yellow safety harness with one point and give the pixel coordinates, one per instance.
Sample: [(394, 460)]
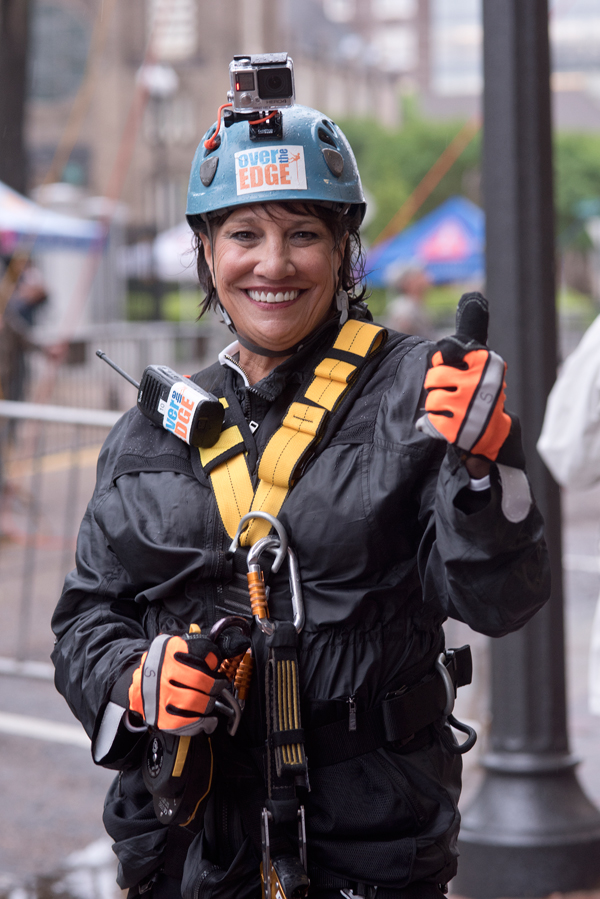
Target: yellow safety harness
[(303, 425)]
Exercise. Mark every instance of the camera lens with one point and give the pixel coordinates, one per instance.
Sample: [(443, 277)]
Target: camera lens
[(275, 83)]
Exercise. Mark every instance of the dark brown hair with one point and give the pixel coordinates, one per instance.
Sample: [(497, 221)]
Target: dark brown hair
[(339, 223)]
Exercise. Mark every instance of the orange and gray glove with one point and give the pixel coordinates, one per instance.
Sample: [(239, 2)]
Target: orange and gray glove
[(465, 402), (176, 684)]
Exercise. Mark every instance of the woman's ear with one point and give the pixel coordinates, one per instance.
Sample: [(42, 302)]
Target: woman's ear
[(207, 253), (343, 243)]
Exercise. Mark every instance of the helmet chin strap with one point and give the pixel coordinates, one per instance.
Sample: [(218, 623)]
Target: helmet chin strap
[(263, 351), (253, 347)]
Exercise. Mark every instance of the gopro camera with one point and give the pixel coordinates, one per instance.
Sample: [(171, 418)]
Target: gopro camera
[(261, 82)]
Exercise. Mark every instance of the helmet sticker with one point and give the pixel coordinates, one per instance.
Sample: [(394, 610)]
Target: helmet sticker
[(270, 168)]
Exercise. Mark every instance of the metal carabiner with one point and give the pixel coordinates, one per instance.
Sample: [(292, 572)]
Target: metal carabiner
[(270, 544), (448, 684), (256, 581), (296, 590), (455, 749), (275, 523), (230, 707), (279, 546)]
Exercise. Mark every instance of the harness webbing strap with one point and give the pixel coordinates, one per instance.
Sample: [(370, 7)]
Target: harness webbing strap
[(231, 438), (288, 444), (233, 491), (301, 428)]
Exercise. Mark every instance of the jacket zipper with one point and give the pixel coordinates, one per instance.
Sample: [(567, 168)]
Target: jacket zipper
[(351, 712), (253, 425), (409, 794), (203, 877)]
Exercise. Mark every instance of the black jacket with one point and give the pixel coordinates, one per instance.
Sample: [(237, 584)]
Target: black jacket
[(390, 542)]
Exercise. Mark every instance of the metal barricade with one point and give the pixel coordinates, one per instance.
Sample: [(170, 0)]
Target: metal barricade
[(48, 456)]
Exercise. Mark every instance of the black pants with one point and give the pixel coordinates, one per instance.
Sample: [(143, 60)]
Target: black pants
[(170, 888)]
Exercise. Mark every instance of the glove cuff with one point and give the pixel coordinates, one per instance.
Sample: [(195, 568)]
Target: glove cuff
[(120, 691), (511, 452)]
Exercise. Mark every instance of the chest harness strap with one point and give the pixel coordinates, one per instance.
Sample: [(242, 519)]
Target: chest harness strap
[(287, 451)]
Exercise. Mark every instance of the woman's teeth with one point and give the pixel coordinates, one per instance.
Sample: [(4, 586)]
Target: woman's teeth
[(261, 297)]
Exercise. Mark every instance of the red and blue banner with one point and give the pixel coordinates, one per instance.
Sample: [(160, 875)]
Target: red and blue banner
[(448, 243)]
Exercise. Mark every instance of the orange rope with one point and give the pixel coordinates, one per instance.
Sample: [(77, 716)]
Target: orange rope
[(273, 112), (211, 142), (431, 180)]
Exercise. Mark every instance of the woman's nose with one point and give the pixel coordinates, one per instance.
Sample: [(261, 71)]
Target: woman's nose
[(274, 260)]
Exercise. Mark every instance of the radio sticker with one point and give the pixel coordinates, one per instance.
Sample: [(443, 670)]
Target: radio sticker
[(180, 408)]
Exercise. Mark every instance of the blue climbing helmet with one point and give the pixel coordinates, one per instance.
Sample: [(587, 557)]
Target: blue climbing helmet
[(310, 161)]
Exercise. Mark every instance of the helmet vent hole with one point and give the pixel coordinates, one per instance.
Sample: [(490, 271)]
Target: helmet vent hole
[(328, 125), (326, 138)]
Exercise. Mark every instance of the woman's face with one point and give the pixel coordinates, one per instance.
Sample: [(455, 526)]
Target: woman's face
[(275, 273)]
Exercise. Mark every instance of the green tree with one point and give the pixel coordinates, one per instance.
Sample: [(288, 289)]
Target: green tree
[(577, 179), (393, 162)]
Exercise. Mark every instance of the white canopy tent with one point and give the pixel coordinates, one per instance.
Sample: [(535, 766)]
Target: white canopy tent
[(76, 257), (21, 217)]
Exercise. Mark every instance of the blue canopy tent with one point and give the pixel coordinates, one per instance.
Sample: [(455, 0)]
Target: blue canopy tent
[(448, 244)]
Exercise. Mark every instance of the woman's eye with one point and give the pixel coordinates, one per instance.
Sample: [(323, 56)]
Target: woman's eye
[(243, 235), (306, 235)]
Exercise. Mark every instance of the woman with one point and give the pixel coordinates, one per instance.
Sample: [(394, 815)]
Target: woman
[(395, 525)]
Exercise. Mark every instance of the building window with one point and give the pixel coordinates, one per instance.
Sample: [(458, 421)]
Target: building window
[(396, 47), (172, 29), (391, 10), (60, 42), (339, 10)]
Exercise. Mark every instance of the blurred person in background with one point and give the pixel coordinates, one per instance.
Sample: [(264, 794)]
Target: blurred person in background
[(26, 294), (570, 446), (406, 312), (22, 293)]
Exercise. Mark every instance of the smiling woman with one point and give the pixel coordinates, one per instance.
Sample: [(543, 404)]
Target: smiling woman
[(331, 769)]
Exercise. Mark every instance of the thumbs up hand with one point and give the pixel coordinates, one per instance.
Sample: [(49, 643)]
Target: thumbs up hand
[(466, 387)]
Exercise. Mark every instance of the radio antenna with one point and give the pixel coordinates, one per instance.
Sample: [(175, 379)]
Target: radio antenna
[(116, 367)]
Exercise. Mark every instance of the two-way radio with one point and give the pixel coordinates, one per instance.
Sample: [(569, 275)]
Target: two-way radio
[(173, 402)]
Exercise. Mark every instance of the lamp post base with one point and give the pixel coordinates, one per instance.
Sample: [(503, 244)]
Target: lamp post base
[(529, 832)]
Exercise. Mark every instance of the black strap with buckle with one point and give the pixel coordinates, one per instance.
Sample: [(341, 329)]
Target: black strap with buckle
[(394, 720)]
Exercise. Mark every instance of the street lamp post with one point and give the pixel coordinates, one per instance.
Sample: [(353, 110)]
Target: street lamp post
[(530, 830)]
